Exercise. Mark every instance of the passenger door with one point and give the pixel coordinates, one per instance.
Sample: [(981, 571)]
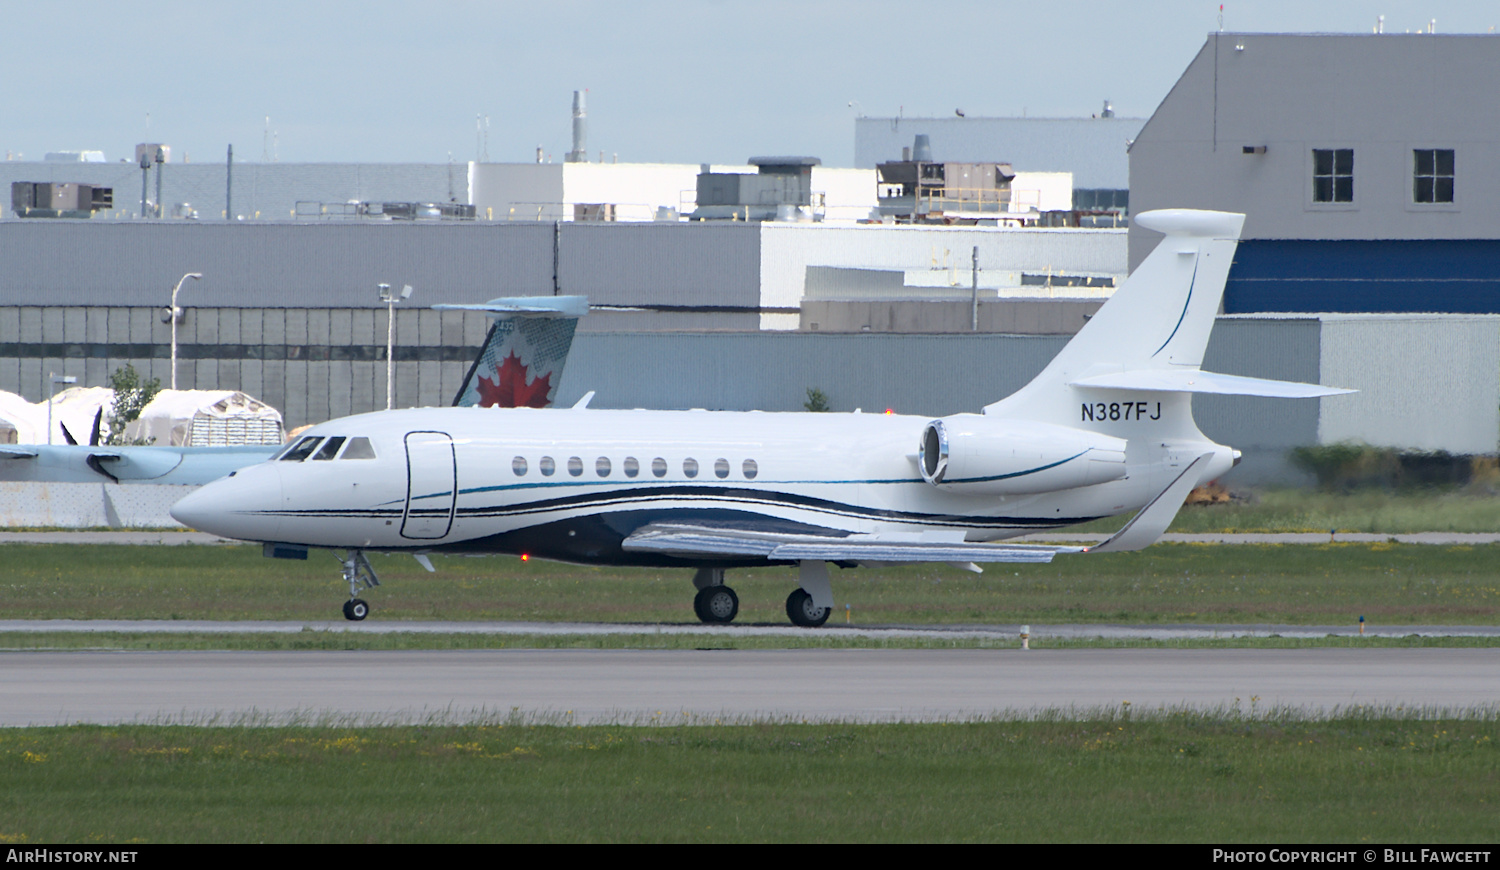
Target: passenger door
[(431, 485)]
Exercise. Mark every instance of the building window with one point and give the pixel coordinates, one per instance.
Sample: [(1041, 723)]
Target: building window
[(1432, 178), (1333, 175)]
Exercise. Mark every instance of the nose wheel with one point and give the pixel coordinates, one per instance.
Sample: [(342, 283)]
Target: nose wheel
[(360, 575)]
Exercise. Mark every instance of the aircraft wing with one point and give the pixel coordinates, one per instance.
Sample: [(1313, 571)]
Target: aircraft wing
[(689, 540), (10, 451)]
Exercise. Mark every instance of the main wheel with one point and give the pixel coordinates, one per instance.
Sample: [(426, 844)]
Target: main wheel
[(802, 611), (356, 609), (716, 605)]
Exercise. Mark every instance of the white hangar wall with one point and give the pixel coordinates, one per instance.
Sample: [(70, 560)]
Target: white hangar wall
[(1426, 382)]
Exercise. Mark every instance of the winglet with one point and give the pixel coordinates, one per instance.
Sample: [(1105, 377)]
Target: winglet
[(1145, 527), (584, 402)]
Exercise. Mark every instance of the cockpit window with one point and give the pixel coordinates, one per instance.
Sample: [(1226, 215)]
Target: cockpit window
[(330, 447), (359, 448), (301, 450)]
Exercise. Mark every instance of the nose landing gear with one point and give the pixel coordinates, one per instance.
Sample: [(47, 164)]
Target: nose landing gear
[(360, 575)]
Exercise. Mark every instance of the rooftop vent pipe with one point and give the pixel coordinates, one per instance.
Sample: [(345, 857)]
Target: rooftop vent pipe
[(921, 149), (579, 154)]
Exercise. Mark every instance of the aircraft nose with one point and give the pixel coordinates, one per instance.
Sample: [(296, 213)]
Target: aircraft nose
[(245, 505)]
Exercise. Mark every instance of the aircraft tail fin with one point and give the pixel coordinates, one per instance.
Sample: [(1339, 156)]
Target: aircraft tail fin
[(1158, 320), (521, 363)]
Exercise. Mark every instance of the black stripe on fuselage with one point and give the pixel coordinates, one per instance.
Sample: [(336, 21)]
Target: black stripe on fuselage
[(593, 501)]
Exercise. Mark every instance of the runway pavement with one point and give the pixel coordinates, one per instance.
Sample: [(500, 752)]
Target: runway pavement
[(639, 687)]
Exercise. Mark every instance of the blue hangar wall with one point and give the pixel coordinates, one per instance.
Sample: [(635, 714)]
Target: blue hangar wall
[(1458, 276)]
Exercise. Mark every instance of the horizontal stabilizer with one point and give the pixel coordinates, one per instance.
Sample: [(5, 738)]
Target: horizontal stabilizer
[(1196, 381), (527, 306), (684, 540)]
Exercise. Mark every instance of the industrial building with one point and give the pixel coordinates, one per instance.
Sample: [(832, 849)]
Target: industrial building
[(1092, 150), (261, 191), (1366, 166)]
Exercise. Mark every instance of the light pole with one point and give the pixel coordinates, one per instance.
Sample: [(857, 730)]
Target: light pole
[(390, 299), (55, 379), (175, 314)]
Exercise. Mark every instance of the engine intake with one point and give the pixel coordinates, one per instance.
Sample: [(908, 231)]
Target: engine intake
[(972, 453)]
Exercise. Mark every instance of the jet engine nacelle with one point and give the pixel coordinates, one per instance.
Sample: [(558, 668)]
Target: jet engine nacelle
[(981, 455)]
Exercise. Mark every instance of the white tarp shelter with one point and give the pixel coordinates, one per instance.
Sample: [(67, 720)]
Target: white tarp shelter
[(174, 418), (207, 418), (23, 422)]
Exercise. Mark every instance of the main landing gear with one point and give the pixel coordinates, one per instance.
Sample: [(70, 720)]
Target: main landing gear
[(360, 575), (808, 606), (802, 611), (715, 603)]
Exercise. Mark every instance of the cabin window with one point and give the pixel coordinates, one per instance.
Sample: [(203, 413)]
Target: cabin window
[(330, 447), (721, 468), (690, 467), (1432, 178), (547, 466), (359, 448), (631, 467), (750, 469), (659, 467), (601, 466), (302, 450), (518, 465), (575, 466)]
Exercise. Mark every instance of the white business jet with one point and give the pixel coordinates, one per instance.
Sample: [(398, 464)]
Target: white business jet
[(1104, 430)]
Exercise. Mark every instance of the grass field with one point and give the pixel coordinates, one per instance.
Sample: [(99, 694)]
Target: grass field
[(1366, 510), (1110, 777), (1333, 584)]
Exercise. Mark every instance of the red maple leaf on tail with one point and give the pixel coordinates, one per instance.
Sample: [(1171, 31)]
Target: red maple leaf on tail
[(510, 388)]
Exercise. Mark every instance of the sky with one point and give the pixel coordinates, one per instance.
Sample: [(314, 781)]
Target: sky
[(712, 81)]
